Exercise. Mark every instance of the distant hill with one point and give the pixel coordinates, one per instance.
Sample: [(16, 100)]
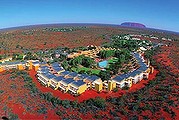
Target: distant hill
[(131, 24)]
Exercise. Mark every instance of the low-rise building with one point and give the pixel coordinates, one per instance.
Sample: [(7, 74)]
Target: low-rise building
[(1, 68), (71, 75), (45, 78), (65, 84), (121, 80), (21, 66), (55, 82), (64, 73), (77, 87), (35, 65), (81, 77), (91, 81)]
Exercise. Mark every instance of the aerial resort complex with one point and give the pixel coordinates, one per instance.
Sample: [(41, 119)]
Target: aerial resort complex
[(90, 68)]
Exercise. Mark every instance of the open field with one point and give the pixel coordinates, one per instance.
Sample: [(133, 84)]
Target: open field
[(36, 38)]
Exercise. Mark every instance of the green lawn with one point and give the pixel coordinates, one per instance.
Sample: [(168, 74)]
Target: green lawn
[(86, 70), (113, 60)]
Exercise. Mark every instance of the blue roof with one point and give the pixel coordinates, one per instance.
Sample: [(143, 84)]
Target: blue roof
[(82, 76), (49, 75), (54, 64), (37, 62), (92, 78), (142, 68), (121, 77), (44, 67), (78, 83), (44, 71), (65, 73), (68, 80), (58, 68), (11, 63), (72, 74), (134, 73), (59, 78), (43, 63)]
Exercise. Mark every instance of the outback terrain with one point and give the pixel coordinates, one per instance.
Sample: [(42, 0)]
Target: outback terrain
[(23, 97)]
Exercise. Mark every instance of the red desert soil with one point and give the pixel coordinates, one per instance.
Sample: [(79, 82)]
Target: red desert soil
[(165, 57), (16, 99)]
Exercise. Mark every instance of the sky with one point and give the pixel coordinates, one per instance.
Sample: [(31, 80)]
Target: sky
[(160, 14)]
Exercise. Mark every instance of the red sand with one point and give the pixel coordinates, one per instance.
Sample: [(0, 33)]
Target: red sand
[(11, 99)]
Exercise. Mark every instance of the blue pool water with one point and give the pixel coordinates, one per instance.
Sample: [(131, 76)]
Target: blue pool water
[(103, 64)]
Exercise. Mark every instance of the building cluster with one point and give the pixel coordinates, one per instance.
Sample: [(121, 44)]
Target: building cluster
[(90, 53), (56, 77), (25, 65), (142, 72)]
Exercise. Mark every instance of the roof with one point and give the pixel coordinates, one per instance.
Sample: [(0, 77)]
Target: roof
[(43, 63), (35, 63), (72, 74), (143, 67), (121, 77), (58, 68), (44, 71), (44, 67), (11, 63), (92, 78), (134, 73), (65, 73), (68, 81), (78, 83), (59, 78), (55, 64), (82, 76), (49, 75)]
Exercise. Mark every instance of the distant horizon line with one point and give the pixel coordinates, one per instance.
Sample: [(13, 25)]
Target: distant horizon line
[(83, 24)]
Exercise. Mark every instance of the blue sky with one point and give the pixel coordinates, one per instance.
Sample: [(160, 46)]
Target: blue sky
[(161, 14)]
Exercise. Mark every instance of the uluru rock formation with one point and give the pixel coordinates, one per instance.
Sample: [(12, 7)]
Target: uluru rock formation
[(132, 24)]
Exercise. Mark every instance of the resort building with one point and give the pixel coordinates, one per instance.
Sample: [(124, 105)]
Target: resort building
[(13, 65), (56, 77), (56, 68), (135, 76), (90, 53), (91, 82), (43, 69), (65, 84), (97, 85), (45, 78), (35, 65), (64, 73), (55, 82), (71, 75), (77, 87), (6, 60), (32, 64), (1, 68), (21, 66), (111, 85), (81, 77)]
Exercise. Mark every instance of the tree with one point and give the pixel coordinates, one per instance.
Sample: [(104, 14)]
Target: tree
[(104, 75), (87, 62)]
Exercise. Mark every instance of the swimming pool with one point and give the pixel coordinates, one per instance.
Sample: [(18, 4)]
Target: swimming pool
[(103, 64)]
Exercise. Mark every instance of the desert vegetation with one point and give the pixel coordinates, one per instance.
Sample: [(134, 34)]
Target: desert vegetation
[(23, 97)]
